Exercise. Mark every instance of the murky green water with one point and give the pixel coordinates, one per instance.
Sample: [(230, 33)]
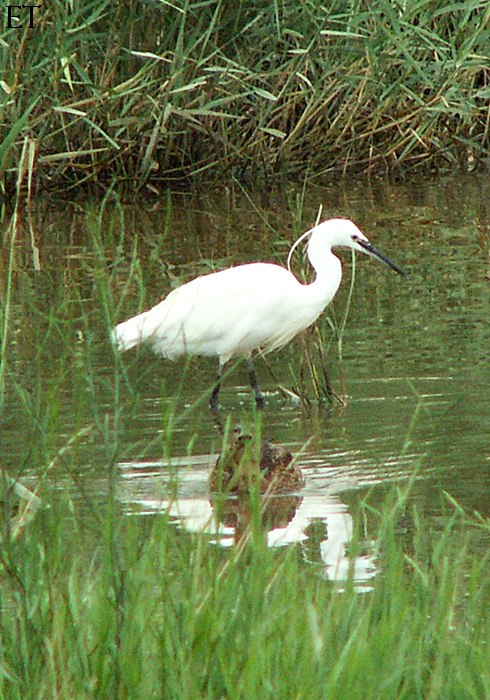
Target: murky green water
[(414, 368)]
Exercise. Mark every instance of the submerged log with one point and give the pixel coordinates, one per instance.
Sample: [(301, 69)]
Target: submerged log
[(245, 462)]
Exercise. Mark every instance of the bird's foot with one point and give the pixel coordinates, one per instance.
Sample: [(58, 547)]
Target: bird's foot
[(214, 405), (259, 402)]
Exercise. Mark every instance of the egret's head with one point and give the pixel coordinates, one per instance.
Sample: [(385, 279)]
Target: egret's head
[(344, 233)]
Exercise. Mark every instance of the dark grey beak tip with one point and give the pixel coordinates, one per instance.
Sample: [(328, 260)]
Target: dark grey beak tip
[(381, 256), (396, 268), (403, 273)]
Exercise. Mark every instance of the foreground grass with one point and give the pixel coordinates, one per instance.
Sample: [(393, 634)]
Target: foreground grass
[(151, 612), (166, 91)]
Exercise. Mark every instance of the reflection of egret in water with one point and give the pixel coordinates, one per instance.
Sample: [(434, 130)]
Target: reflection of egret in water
[(151, 487), (239, 515)]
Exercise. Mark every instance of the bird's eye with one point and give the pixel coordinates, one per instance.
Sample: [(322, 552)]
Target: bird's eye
[(355, 237)]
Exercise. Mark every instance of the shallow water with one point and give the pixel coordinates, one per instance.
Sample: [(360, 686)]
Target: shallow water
[(414, 370)]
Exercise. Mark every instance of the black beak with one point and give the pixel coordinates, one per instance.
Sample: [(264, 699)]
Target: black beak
[(372, 250)]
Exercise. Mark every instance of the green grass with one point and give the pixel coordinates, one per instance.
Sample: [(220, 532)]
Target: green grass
[(147, 611), (160, 91)]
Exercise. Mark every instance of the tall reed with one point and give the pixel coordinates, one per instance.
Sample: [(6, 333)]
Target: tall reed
[(169, 91)]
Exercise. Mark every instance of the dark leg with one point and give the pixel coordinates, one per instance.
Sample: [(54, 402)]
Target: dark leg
[(259, 399), (214, 398)]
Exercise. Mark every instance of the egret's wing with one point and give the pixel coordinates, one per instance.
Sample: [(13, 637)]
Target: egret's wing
[(225, 313)]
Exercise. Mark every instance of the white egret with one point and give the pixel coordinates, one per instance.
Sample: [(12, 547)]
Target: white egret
[(256, 306)]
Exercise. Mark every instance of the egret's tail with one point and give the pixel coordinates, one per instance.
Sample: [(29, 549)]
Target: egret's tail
[(132, 332)]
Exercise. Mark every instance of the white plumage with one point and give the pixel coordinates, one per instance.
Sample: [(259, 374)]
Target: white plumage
[(235, 311)]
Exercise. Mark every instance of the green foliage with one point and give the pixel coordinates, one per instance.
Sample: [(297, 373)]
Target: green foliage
[(172, 90), (147, 611)]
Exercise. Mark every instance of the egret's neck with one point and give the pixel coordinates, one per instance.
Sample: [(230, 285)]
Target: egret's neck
[(328, 271)]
